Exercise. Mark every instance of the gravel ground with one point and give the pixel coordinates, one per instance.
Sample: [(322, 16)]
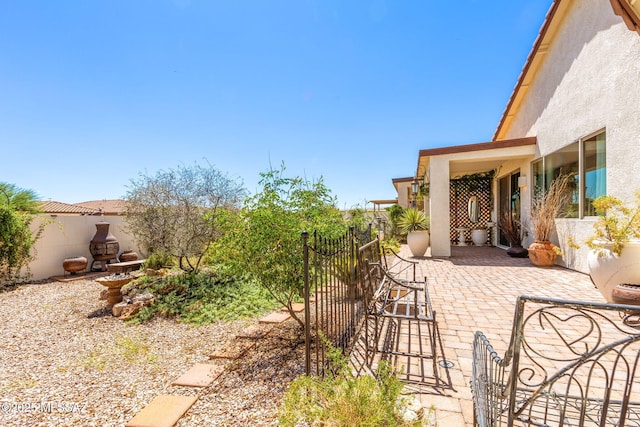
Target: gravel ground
[(66, 362)]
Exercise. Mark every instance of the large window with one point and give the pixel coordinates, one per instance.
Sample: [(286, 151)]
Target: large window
[(595, 171), (585, 161)]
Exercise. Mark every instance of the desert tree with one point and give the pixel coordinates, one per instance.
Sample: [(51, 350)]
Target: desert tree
[(269, 239), (180, 211)]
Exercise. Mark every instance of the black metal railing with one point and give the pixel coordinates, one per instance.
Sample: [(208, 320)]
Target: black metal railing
[(334, 303)]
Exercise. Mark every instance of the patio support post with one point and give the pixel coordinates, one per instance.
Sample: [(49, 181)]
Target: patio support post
[(439, 207)]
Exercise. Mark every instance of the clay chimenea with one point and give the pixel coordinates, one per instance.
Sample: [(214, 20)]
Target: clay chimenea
[(104, 246)]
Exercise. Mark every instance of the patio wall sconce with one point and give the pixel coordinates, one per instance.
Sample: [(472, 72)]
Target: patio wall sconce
[(522, 181), (415, 186)]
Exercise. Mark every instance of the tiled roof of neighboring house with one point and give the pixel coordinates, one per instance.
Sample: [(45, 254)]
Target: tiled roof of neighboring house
[(107, 207), (51, 207)]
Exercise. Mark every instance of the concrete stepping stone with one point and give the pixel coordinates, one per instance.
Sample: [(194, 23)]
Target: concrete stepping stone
[(163, 411), (255, 332), (200, 375), (233, 349), (275, 317), (298, 307)]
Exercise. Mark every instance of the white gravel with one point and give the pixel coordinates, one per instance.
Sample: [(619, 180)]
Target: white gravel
[(66, 362)]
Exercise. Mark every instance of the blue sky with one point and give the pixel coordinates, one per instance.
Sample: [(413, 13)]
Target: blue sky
[(94, 92)]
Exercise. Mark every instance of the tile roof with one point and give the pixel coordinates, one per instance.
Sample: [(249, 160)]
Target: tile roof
[(107, 206), (52, 207)]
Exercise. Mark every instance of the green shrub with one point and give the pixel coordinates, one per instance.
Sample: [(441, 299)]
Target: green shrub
[(390, 243), (269, 244), (16, 237), (340, 399), (159, 259), (202, 298)]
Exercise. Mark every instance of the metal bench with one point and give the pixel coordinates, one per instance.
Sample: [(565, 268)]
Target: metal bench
[(399, 310), (125, 267), (568, 364)]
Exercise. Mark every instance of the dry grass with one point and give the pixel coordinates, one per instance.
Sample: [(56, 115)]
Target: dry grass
[(549, 205)]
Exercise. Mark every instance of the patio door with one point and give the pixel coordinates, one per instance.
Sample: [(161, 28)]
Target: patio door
[(508, 201)]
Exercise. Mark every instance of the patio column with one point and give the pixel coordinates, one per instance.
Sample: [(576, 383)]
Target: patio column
[(439, 206)]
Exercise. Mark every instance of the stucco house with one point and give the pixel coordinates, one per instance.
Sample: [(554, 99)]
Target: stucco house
[(575, 108)]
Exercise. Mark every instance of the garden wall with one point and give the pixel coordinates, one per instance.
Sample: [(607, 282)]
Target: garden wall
[(67, 236)]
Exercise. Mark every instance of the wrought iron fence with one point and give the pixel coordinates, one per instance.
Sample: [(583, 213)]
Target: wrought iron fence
[(334, 303)]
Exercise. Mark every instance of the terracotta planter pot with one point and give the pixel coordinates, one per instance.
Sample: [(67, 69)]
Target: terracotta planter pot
[(542, 254), (608, 270), (74, 265), (626, 294), (128, 255), (418, 242)]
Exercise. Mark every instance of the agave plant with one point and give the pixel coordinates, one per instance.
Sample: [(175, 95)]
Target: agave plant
[(413, 219)]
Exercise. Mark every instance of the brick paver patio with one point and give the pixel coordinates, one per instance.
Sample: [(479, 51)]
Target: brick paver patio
[(476, 289)]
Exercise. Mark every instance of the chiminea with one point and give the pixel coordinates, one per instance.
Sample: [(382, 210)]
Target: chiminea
[(104, 246)]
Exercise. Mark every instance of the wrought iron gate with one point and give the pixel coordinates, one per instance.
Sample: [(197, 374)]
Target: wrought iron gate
[(334, 305)]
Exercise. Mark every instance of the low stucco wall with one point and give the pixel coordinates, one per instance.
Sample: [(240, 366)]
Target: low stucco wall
[(68, 237)]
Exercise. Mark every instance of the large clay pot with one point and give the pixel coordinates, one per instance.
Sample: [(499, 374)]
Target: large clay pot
[(74, 265), (128, 255), (542, 254), (479, 236), (418, 242), (608, 270)]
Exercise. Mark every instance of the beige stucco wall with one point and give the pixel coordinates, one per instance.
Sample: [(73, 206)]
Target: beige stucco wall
[(404, 188), (67, 236), (589, 81)]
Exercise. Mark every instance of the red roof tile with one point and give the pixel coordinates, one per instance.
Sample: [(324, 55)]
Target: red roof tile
[(52, 207), (107, 207)]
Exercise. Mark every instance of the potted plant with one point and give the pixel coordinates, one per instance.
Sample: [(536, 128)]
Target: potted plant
[(513, 231), (416, 224), (614, 256), (546, 207)]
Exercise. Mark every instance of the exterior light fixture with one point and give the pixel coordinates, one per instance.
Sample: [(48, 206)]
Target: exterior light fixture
[(522, 181), (415, 186)]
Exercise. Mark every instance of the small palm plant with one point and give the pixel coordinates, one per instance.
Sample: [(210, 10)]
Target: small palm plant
[(413, 219)]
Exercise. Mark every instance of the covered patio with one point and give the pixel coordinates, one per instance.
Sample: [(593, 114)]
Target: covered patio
[(507, 162)]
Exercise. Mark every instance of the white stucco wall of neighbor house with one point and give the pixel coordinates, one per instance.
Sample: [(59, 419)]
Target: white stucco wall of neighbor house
[(589, 81), (68, 236), (403, 193)]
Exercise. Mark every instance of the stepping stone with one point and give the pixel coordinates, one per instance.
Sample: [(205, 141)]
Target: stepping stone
[(163, 411), (298, 307), (233, 350), (275, 317), (255, 332), (200, 375)]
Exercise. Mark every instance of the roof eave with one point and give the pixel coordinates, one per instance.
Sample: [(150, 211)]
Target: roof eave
[(535, 51)]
